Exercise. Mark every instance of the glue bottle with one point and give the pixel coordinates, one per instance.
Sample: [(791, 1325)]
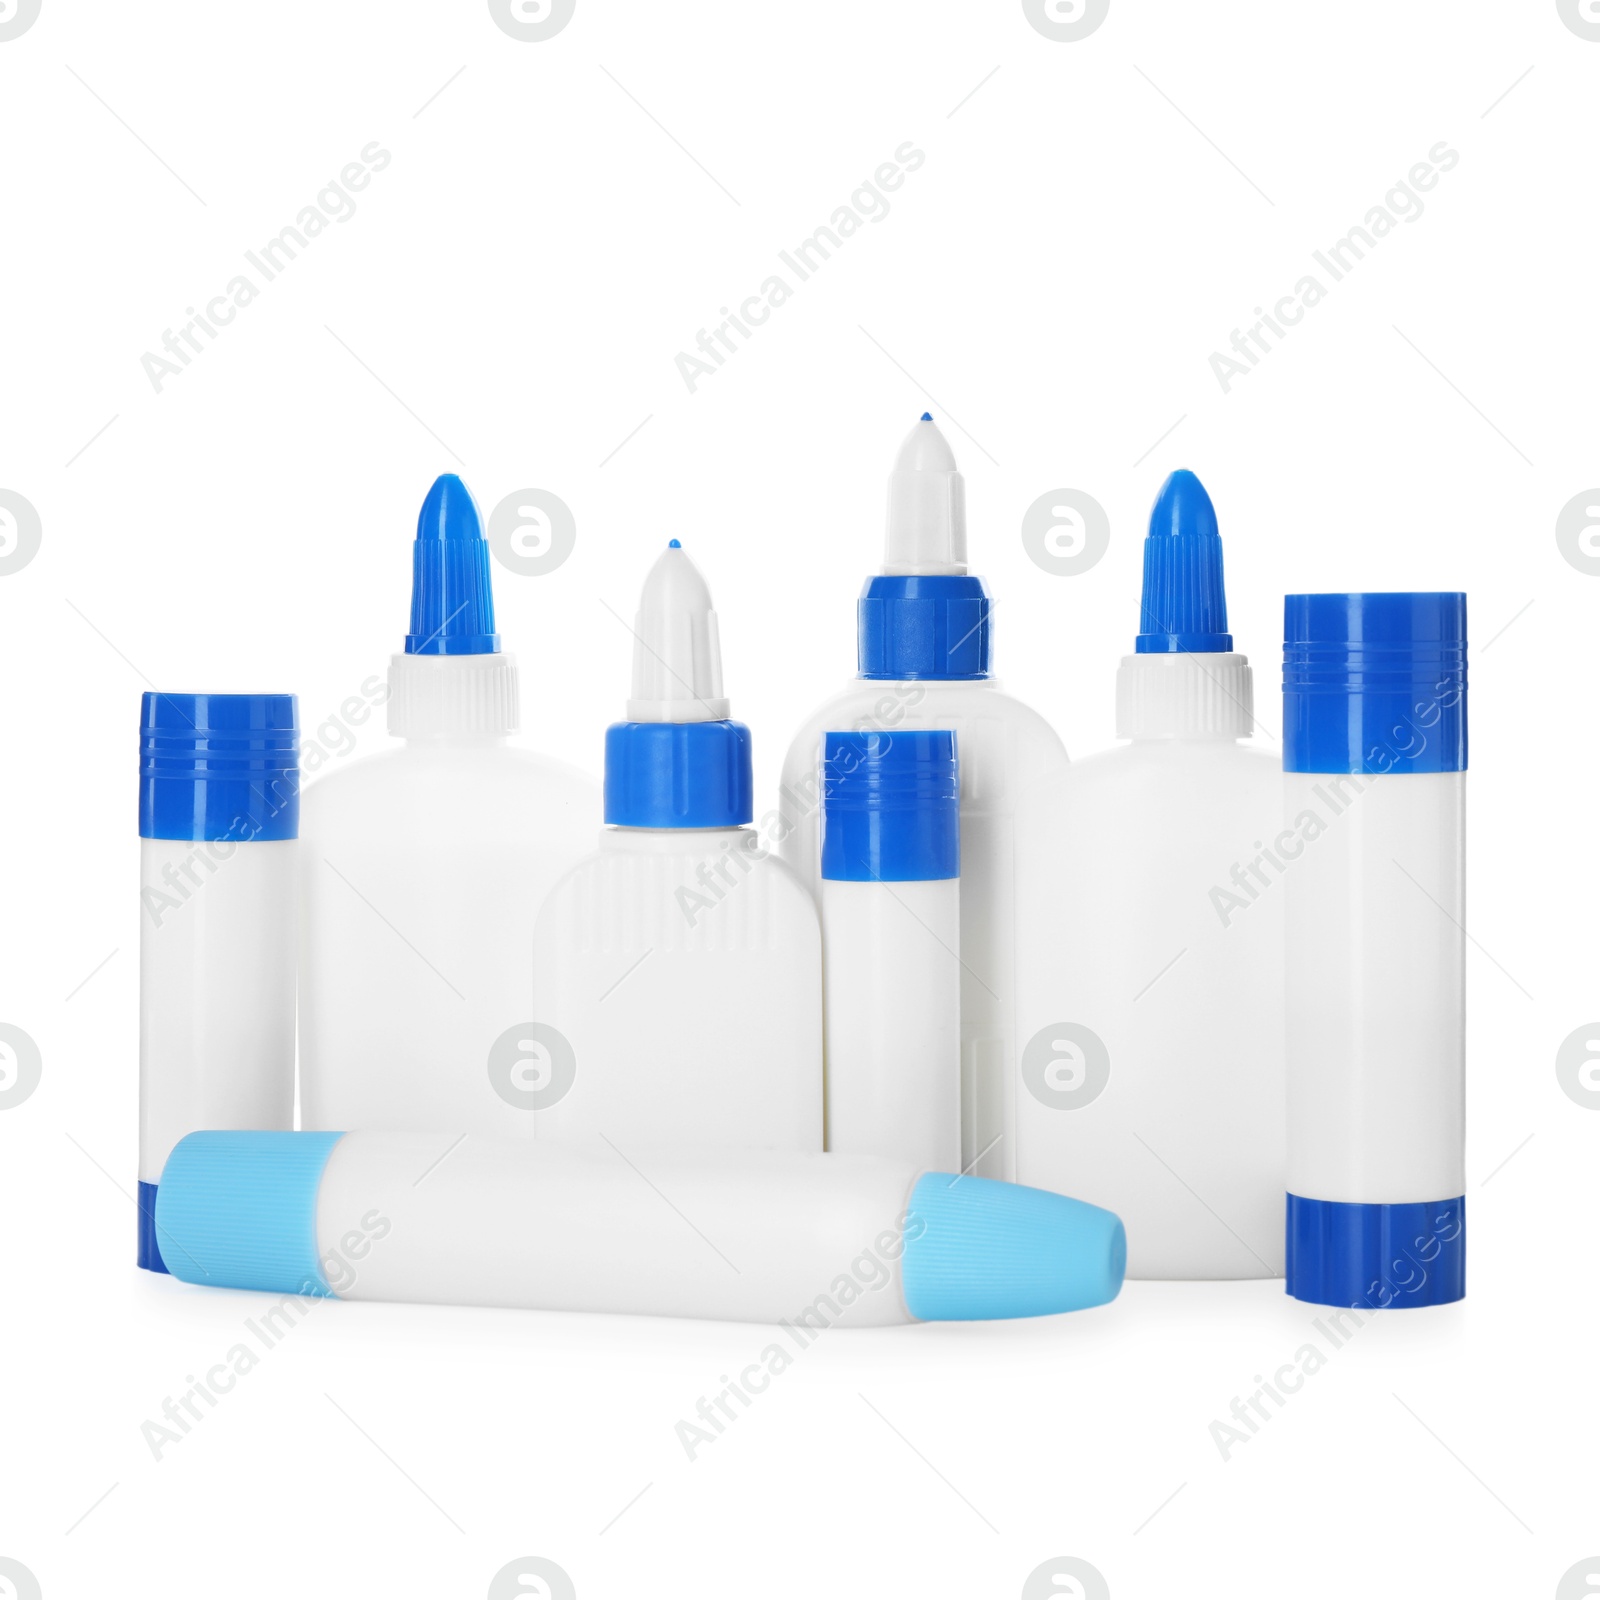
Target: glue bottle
[(678, 970), (1151, 989), (424, 867), (924, 648)]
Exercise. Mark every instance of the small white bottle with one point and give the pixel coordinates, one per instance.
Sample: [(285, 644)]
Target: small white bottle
[(219, 806), (1151, 992), (805, 1242), (925, 632), (424, 866), (678, 970), (891, 942), (1375, 760)]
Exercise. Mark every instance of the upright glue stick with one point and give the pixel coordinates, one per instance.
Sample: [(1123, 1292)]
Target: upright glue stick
[(219, 811), (1375, 759), (891, 937), (808, 1240)]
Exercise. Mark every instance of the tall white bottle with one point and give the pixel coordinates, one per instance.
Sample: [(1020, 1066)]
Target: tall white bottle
[(678, 970), (219, 805), (1150, 1000), (891, 945), (924, 642), (423, 868), (1375, 759)]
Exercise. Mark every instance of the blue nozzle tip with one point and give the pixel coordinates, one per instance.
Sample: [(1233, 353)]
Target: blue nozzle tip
[(448, 512), (1184, 606), (672, 544), (927, 416), (452, 603)]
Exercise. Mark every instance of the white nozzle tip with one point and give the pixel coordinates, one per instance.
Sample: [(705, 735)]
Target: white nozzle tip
[(927, 527), (677, 657)]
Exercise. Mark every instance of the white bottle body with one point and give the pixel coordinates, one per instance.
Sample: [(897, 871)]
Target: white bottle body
[(216, 989), (1170, 1109), (1006, 748), (745, 1235), (1376, 987), (893, 1006), (682, 968), (423, 871)]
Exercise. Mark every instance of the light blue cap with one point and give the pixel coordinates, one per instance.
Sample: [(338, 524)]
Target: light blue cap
[(980, 1249), (240, 1210)]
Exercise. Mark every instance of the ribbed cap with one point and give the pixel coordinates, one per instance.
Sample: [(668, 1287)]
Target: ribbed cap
[(989, 1249), (679, 761), (452, 603), (1185, 697), (891, 806), (1375, 682), (1183, 606), (239, 1210), (219, 766), (432, 697)]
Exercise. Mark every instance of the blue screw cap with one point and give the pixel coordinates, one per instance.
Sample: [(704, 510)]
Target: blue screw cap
[(1184, 607), (452, 602)]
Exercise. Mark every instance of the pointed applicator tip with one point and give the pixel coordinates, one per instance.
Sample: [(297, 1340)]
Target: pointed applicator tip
[(927, 416), (452, 602), (1184, 607), (677, 656), (449, 512), (926, 533)]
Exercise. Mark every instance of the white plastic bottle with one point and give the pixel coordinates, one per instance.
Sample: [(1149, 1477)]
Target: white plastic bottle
[(891, 943), (807, 1242), (1151, 992), (424, 867), (1375, 759), (678, 970), (924, 646), (219, 805)]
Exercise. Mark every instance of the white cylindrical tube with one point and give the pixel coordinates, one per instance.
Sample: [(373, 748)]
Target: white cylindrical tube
[(891, 939), (1375, 770), (805, 1241), (218, 816)]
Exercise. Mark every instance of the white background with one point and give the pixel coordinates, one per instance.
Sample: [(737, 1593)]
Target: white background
[(507, 301)]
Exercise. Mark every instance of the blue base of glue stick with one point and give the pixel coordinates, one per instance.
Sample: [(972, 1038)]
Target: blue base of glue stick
[(149, 1250), (1376, 1256)]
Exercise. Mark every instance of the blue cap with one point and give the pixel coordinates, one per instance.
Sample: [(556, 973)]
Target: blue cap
[(937, 626), (219, 766), (1183, 607), (1338, 1253), (452, 602), (239, 1210), (891, 806), (678, 775), (976, 1248), (1375, 682)]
